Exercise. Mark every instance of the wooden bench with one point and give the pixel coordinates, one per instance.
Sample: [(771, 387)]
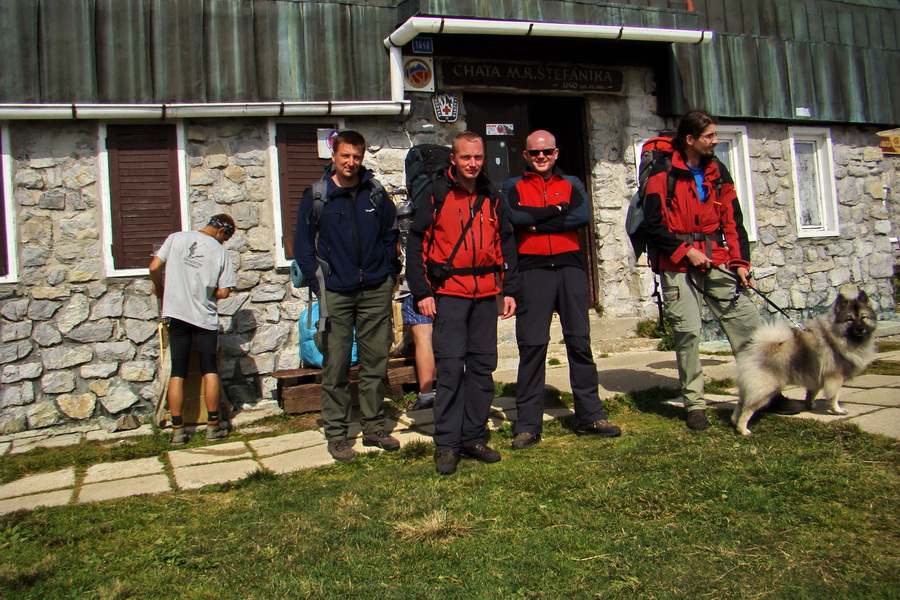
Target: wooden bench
[(300, 390)]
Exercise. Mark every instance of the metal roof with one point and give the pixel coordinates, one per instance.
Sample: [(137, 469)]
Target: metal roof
[(837, 59)]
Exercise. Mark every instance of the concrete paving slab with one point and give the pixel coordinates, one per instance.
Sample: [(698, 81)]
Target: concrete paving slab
[(123, 470), (853, 410), (557, 413), (882, 422), (252, 415), (257, 430), (286, 443), (879, 396), (43, 482), (209, 454), (56, 441), (306, 458), (719, 398), (427, 429), (58, 498), (873, 381), (197, 476), (503, 403), (101, 435), (495, 423), (408, 436), (123, 488), (510, 414), (4, 447), (355, 430), (418, 417)]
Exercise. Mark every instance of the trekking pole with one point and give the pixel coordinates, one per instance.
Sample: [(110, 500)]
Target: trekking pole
[(796, 324)]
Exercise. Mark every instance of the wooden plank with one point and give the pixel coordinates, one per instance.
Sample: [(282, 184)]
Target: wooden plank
[(773, 81)]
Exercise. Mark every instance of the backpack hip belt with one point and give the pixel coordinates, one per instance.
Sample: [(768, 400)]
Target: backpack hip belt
[(717, 237)]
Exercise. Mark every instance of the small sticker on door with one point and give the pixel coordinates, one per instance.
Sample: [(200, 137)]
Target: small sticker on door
[(500, 129)]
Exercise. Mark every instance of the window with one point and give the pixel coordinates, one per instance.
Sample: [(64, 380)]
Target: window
[(299, 166), (144, 202), (8, 263), (732, 151), (815, 197)]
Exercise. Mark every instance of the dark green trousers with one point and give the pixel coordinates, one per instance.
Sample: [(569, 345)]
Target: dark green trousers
[(368, 310)]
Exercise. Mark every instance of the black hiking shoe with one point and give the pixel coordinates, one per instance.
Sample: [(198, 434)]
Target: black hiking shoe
[(480, 452), (525, 440), (696, 420), (445, 461)]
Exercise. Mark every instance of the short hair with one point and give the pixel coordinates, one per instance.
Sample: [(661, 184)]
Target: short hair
[(465, 136), (221, 220), (349, 137), (693, 123)]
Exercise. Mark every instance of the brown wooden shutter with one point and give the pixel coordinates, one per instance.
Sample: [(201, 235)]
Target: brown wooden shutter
[(144, 190), (299, 166)]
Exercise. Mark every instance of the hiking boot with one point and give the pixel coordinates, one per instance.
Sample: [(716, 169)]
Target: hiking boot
[(219, 431), (382, 440), (180, 437), (423, 401), (525, 440), (341, 450), (780, 405), (445, 461), (601, 428), (696, 420), (480, 452)]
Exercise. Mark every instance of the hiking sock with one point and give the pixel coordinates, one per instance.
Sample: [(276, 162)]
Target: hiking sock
[(177, 422), (212, 418)]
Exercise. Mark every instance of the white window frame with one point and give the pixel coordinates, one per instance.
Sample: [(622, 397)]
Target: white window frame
[(6, 179), (824, 164), (106, 200), (739, 159), (281, 260), (740, 171)]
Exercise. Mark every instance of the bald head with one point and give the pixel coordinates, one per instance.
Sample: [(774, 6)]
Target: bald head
[(541, 162)]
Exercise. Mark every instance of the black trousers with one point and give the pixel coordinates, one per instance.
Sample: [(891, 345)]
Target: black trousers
[(465, 352), (545, 290)]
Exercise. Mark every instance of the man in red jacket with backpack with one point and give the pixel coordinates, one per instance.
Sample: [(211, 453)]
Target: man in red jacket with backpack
[(694, 227), (548, 207), (461, 261)]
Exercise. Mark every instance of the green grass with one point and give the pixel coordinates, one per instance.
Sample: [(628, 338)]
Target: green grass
[(799, 510)]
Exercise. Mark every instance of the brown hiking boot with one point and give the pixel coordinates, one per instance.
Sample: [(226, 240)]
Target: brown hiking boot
[(341, 450), (601, 428), (382, 440)]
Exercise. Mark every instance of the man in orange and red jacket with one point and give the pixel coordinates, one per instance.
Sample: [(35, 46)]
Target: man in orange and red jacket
[(548, 207), (691, 235), (461, 291)]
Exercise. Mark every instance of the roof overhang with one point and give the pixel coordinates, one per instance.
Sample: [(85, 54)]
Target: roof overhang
[(440, 25)]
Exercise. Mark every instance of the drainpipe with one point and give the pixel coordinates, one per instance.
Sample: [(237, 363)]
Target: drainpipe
[(416, 25)]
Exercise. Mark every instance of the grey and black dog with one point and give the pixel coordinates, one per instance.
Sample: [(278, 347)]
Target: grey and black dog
[(834, 348)]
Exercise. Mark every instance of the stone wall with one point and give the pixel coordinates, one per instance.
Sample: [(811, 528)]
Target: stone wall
[(78, 345)]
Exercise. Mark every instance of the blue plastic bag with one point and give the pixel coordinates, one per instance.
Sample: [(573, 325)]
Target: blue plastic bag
[(310, 355)]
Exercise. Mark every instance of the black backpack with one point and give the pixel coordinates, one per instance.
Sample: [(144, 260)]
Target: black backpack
[(424, 165)]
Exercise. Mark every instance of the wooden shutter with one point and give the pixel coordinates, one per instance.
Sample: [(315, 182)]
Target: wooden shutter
[(299, 166), (144, 190)]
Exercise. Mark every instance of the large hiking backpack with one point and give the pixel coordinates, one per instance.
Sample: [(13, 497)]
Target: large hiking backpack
[(654, 150), (424, 165)]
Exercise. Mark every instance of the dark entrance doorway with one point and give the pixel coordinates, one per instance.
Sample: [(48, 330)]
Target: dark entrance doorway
[(505, 120)]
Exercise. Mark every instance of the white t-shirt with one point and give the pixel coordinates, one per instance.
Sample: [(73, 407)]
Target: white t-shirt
[(196, 265)]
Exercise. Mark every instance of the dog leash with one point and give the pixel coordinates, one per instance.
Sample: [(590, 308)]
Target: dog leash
[(737, 279)]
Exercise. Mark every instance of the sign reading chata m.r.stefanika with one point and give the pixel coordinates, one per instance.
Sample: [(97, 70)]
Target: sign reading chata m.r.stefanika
[(576, 78)]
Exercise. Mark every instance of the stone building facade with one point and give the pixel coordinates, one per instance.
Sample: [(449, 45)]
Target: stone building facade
[(77, 344)]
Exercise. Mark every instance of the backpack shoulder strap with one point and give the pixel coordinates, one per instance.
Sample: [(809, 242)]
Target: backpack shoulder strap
[(440, 187), (378, 193), (320, 197)]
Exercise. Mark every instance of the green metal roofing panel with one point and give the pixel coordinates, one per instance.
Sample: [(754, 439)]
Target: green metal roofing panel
[(839, 58)]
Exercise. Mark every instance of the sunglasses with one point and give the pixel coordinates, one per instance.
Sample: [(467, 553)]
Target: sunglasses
[(544, 151)]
